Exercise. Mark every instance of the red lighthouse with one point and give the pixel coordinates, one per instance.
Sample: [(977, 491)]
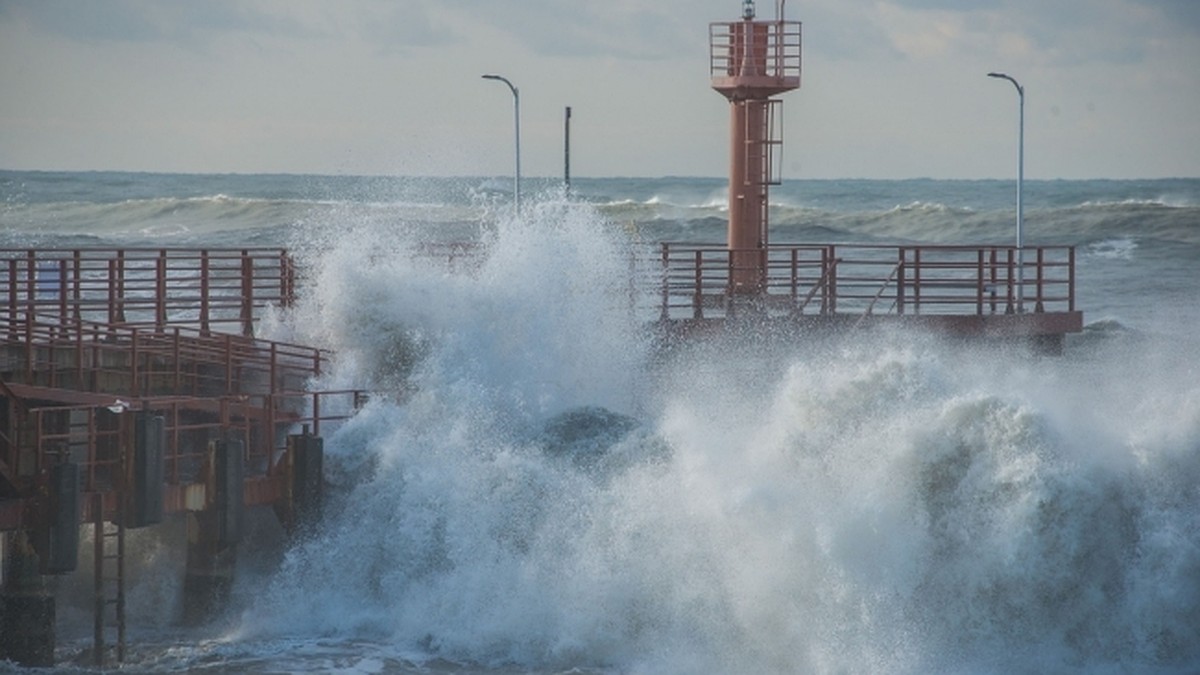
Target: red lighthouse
[(751, 61)]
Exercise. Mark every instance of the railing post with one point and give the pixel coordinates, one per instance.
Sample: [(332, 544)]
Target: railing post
[(121, 286), (204, 265), (160, 290), (30, 352), (31, 285), (698, 296), (666, 282), (12, 298), (994, 272), (1040, 306), (795, 274), (979, 282), (62, 291), (112, 291), (916, 283), (1071, 278), (902, 282), (247, 316), (77, 287), (1010, 282), (829, 302), (286, 272)]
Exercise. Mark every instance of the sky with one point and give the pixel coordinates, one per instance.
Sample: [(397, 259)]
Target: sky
[(891, 88)]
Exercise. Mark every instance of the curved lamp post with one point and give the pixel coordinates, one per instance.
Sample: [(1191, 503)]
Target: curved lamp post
[(1020, 180), (517, 125)]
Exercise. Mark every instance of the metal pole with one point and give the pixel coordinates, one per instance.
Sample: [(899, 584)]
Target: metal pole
[(1020, 274), (517, 124), (567, 150)]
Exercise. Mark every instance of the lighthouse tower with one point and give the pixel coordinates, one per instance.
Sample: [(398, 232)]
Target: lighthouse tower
[(751, 61)]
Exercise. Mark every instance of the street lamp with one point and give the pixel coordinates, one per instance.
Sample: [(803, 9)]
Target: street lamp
[(517, 125), (1020, 180)]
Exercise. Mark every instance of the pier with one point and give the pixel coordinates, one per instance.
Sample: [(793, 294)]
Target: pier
[(133, 388)]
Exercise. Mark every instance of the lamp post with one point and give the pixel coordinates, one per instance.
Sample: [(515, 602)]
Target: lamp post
[(1020, 180), (517, 127)]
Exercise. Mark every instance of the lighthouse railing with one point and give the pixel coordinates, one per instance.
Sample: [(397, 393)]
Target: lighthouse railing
[(779, 57)]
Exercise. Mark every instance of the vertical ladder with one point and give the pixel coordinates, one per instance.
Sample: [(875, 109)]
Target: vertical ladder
[(764, 155), (109, 568), (763, 158)]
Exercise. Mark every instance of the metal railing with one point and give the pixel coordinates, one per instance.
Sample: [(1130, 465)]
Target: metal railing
[(865, 279), (132, 360), (98, 438), (777, 57), (158, 287)]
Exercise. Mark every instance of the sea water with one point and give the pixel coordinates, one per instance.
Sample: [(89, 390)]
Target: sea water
[(534, 486)]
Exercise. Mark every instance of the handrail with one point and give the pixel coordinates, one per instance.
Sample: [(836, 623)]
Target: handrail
[(75, 352), (257, 419), (932, 279), (159, 286)]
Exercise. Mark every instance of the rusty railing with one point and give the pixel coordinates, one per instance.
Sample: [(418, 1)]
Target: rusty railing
[(141, 286), (861, 279)]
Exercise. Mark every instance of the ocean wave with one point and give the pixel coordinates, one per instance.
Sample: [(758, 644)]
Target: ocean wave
[(1163, 202), (929, 207), (1117, 249)]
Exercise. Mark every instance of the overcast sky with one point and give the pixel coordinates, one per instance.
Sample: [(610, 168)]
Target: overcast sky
[(891, 88)]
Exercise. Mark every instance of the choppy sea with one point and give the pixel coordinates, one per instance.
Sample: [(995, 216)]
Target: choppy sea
[(535, 489)]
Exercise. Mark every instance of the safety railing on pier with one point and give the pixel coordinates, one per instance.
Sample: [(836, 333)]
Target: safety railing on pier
[(98, 437), (204, 288), (867, 279), (132, 360)]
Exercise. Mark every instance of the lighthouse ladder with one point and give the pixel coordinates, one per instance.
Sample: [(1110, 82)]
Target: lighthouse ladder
[(765, 152)]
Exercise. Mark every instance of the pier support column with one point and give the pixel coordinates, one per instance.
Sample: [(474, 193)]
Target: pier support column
[(27, 612), (306, 481), (208, 578), (213, 535)]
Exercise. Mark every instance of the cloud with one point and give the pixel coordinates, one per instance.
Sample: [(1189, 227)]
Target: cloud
[(618, 28), (394, 26), (1185, 14), (142, 21)]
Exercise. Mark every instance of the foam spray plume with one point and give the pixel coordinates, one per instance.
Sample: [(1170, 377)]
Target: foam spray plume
[(536, 488)]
